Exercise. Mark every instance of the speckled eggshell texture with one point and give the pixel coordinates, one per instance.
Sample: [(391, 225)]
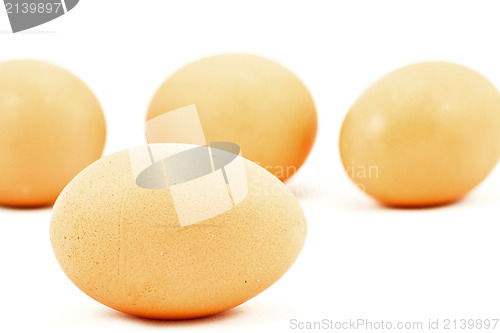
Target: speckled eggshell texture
[(123, 246)]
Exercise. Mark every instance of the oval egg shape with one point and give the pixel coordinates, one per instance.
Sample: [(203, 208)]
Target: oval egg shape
[(249, 100), (188, 250), (51, 127), (423, 135)]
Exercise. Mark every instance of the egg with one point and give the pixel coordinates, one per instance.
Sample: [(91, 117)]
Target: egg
[(137, 233), (249, 100), (51, 128), (422, 135)]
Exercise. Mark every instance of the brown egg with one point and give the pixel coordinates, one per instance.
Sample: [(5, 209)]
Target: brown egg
[(248, 100), (135, 249), (51, 128), (423, 135)]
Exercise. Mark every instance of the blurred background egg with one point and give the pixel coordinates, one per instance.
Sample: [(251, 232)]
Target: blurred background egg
[(425, 134), (251, 101), (125, 246), (51, 128)]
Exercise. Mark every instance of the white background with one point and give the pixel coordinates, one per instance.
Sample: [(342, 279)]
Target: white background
[(360, 260)]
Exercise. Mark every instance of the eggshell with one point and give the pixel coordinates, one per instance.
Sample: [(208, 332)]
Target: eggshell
[(51, 128), (122, 244), (423, 135), (251, 101)]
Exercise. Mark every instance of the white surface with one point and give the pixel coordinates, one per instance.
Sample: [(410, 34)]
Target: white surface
[(360, 260)]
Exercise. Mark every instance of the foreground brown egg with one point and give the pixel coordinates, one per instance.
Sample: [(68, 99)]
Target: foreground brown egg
[(51, 128), (248, 100), (423, 135), (127, 247)]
